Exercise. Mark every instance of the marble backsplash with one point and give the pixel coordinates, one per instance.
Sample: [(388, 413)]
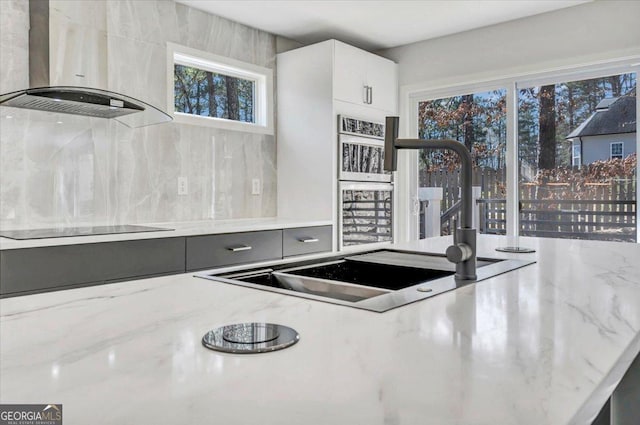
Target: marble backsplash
[(14, 45), (58, 169)]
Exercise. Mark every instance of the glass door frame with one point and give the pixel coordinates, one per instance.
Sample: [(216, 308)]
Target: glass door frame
[(407, 218)]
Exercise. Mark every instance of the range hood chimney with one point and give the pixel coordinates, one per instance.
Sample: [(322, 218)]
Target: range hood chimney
[(71, 99)]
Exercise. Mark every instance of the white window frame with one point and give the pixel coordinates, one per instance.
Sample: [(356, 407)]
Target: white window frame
[(575, 156), (407, 180), (261, 76), (611, 154)]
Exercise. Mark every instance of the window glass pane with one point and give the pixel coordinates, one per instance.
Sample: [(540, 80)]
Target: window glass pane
[(479, 121), (576, 151), (577, 155), (209, 94), (616, 150)]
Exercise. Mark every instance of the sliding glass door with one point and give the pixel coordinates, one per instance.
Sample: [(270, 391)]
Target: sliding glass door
[(562, 149)]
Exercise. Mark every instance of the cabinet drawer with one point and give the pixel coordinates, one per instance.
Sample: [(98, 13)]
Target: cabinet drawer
[(205, 252), (31, 270), (306, 240)]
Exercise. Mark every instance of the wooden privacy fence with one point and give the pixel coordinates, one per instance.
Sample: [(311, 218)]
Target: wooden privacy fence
[(491, 181), (605, 211), (611, 220)]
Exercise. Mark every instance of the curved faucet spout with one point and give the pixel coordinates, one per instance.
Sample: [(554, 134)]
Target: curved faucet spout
[(463, 252)]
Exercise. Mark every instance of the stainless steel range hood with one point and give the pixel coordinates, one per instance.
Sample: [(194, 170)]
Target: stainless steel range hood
[(72, 99), (88, 102)]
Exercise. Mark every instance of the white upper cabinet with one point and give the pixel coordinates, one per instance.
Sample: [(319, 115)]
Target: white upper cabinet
[(363, 78)]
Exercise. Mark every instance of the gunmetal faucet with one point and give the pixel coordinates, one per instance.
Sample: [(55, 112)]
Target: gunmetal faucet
[(463, 250)]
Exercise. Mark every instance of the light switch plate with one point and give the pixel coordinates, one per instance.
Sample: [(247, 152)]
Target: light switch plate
[(255, 187)]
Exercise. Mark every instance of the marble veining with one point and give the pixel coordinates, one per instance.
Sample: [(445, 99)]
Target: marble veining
[(62, 170), (14, 45), (545, 344)]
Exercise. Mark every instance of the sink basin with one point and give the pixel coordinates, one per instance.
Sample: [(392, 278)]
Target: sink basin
[(375, 281), (316, 286)]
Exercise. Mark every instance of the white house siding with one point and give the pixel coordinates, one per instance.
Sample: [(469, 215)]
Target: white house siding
[(596, 148)]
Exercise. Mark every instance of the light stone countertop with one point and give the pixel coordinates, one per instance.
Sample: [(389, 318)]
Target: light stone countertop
[(545, 344), (190, 228)]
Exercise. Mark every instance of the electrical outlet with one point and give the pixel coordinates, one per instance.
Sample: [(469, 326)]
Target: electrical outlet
[(255, 187), (183, 186)]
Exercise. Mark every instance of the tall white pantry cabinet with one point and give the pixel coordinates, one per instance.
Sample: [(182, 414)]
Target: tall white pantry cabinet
[(316, 84)]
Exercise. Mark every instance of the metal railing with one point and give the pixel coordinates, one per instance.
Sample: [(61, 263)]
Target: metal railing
[(449, 217)]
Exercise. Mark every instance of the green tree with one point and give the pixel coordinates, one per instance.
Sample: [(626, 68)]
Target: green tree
[(210, 94)]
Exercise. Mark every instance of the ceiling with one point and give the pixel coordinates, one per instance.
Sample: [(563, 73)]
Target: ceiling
[(374, 25)]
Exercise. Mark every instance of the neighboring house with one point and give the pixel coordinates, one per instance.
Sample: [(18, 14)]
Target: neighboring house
[(610, 132)]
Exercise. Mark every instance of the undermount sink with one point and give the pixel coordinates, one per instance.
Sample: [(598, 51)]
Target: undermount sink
[(376, 281)]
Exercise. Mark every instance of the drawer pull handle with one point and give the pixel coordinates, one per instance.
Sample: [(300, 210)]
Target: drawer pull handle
[(309, 240), (238, 248)]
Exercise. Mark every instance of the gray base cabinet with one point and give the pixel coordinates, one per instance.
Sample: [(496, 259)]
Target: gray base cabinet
[(209, 251), (32, 270), (306, 240)]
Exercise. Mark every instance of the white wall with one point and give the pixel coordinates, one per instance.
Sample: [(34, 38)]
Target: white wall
[(591, 32)]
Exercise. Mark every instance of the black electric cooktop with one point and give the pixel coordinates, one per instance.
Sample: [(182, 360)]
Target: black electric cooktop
[(65, 232)]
